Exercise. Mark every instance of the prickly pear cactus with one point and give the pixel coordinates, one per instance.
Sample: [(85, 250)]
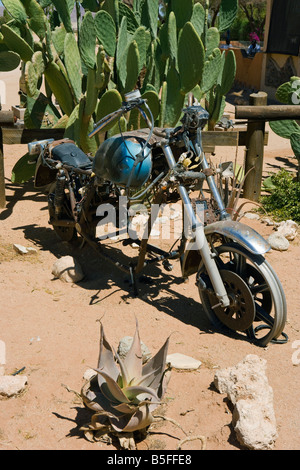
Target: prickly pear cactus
[(116, 47), (289, 93)]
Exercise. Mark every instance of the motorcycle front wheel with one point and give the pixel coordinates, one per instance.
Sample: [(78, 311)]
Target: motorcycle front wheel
[(257, 301)]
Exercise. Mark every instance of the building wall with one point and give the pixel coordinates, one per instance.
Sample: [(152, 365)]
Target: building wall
[(248, 71)]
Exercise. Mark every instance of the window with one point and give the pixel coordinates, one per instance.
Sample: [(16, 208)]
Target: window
[(284, 32)]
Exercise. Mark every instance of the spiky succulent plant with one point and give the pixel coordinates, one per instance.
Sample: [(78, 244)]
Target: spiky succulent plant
[(124, 391)]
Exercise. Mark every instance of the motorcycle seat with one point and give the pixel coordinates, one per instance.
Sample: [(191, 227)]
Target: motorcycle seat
[(70, 154)]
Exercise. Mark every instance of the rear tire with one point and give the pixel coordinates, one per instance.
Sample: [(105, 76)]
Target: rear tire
[(65, 233)]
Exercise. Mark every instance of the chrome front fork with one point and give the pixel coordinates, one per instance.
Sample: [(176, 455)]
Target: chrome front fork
[(200, 239)]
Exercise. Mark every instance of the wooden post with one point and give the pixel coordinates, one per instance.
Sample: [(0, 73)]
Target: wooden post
[(255, 150), (2, 176)]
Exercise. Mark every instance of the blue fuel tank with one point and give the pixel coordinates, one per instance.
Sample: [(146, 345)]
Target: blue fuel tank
[(115, 158)]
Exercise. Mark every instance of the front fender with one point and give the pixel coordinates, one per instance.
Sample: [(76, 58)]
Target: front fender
[(240, 233)]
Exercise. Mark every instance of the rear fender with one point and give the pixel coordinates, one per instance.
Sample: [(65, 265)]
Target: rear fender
[(43, 174), (234, 231)]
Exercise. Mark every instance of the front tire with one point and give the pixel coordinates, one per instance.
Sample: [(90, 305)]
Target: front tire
[(257, 301)]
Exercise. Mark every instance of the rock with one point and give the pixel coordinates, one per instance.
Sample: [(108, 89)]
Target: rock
[(288, 229), (252, 216), (125, 344), (89, 373), (267, 221), (247, 387), (181, 361), (22, 250), (278, 242), (67, 269), (12, 385), (2, 357)]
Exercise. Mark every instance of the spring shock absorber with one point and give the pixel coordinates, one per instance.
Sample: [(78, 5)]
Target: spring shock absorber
[(59, 192)]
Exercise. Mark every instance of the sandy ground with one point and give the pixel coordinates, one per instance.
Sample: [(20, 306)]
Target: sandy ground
[(52, 329)]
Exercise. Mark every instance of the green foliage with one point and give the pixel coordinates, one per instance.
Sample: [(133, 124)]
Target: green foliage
[(9, 60), (116, 49), (284, 201), (23, 170), (289, 93), (227, 14)]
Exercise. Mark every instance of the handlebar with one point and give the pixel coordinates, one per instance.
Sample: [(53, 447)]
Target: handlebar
[(132, 100)]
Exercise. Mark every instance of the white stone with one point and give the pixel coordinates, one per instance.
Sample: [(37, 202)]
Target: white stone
[(181, 361), (267, 221), (12, 385), (247, 387), (255, 425), (288, 229), (278, 242), (89, 373), (125, 344), (22, 250), (67, 269), (251, 215)]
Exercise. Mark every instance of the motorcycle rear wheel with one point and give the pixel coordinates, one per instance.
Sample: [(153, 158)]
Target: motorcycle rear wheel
[(65, 233), (244, 273)]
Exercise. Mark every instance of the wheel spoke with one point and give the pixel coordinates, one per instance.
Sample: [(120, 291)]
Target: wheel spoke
[(240, 265), (262, 315), (259, 288)]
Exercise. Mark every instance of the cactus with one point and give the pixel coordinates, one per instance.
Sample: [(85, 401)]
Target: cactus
[(110, 101), (211, 70), (190, 58), (73, 64), (16, 9), (62, 7), (182, 10), (16, 43), (212, 40), (36, 17), (288, 93), (228, 11), (9, 60), (165, 60), (198, 18), (106, 31), (60, 87), (87, 40), (174, 99), (126, 12), (123, 393), (132, 66)]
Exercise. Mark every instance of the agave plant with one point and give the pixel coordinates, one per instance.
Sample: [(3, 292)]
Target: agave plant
[(123, 393)]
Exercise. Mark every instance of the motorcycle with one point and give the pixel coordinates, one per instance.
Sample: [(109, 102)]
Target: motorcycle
[(238, 288)]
